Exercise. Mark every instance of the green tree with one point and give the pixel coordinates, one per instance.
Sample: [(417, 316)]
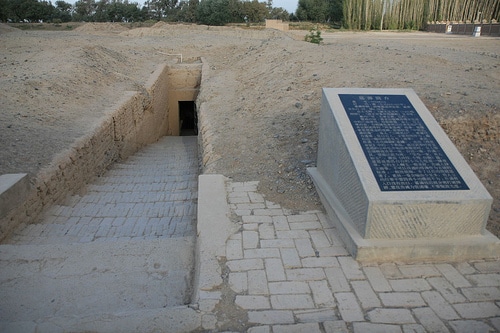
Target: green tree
[(63, 11), (279, 13), (213, 12), (84, 10), (254, 11), (187, 12), (312, 10)]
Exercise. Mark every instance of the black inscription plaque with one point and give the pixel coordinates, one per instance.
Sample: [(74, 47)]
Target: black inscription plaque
[(402, 152)]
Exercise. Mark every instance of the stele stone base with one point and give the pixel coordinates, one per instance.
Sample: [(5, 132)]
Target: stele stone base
[(394, 184)]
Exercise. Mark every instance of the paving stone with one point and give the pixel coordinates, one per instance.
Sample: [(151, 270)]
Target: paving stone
[(290, 258), (238, 282), (257, 219), (375, 328), (349, 307), (477, 310), (488, 266), (238, 199), (391, 271), (337, 326), (270, 317), (482, 294), (453, 275), (315, 315), (413, 328), (416, 271), (410, 285), (470, 326), (304, 225), (250, 239), (255, 197), (351, 268), (261, 253), (320, 262), (485, 280), (277, 243), (321, 294), (289, 287), (331, 233), (266, 231), (305, 274), (319, 239), (292, 234), (267, 211), (465, 268), (304, 247), (429, 320), (245, 264), (297, 328), (252, 302), (274, 269), (391, 316), (401, 299), (302, 218), (257, 282), (280, 223), (337, 280), (377, 280), (495, 322), (439, 305), (251, 226), (446, 289), (254, 207), (332, 251), (291, 301), (365, 294)]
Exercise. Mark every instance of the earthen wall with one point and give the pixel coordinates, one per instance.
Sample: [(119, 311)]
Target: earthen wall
[(139, 118)]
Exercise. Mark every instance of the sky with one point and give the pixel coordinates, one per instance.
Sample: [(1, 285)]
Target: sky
[(289, 5)]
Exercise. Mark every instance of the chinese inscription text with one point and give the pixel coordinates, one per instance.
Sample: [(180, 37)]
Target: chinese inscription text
[(402, 152)]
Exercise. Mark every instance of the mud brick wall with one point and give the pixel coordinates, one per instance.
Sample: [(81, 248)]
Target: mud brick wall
[(139, 118)]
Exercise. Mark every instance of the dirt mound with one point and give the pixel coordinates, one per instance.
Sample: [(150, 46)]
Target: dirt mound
[(4, 28), (101, 27), (262, 87)]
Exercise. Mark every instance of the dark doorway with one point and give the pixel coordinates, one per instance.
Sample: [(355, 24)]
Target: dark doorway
[(188, 118)]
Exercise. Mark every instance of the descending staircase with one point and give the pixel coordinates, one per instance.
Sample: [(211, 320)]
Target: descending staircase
[(119, 258)]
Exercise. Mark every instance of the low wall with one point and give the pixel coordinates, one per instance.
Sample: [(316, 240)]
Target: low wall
[(487, 29), (138, 119)]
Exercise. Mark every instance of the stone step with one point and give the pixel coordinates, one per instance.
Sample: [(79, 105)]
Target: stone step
[(41, 283)]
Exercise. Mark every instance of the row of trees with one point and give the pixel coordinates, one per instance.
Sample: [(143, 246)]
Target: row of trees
[(414, 14), (211, 12), (351, 14)]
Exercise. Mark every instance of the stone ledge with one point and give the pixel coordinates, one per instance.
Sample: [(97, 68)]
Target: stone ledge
[(13, 190)]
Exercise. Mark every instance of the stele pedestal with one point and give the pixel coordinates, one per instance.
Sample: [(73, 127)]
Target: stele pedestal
[(394, 184)]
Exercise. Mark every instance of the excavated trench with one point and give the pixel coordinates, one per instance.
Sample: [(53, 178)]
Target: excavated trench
[(110, 227)]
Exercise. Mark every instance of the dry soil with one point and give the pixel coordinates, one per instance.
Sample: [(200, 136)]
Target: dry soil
[(263, 91)]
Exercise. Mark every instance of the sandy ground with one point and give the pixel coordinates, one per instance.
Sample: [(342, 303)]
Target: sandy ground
[(263, 91)]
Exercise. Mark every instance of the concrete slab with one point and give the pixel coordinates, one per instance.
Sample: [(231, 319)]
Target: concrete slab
[(43, 281)]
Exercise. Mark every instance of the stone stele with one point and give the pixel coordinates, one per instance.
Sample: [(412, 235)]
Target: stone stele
[(394, 184)]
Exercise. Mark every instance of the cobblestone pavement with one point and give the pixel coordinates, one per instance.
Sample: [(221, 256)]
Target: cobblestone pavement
[(153, 194), (291, 273)]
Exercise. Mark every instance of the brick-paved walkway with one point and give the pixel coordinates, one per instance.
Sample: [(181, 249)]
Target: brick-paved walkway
[(153, 194), (292, 274)]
